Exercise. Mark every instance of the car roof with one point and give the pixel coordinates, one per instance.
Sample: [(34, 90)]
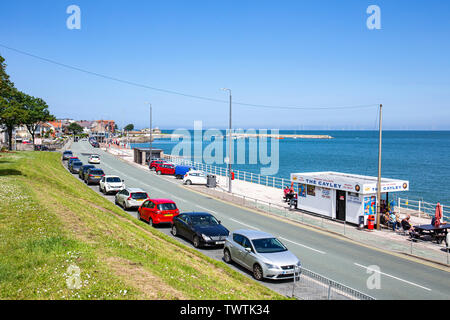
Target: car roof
[(253, 234), (111, 176), (159, 201), (196, 171)]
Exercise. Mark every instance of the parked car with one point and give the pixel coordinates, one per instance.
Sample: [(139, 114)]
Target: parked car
[(84, 168), (93, 176), (75, 166), (71, 159), (67, 154), (261, 253), (111, 184), (154, 163), (165, 168), (94, 158), (156, 211), (203, 229), (195, 177), (131, 198), (180, 171)]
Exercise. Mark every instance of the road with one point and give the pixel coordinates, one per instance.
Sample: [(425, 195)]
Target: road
[(338, 259)]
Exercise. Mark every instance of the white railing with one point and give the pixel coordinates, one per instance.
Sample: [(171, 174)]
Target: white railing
[(420, 208), (269, 181)]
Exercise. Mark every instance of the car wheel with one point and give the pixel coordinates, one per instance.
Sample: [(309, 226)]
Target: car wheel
[(158, 172), (150, 222), (115, 201), (188, 182), (257, 272), (196, 241), (227, 256), (174, 231)]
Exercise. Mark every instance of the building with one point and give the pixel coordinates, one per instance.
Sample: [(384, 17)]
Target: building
[(342, 196), (103, 129)]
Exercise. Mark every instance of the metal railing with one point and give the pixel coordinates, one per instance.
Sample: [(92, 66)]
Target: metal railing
[(313, 286), (420, 208), (269, 181)]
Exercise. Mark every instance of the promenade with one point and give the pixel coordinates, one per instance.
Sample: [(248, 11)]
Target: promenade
[(266, 199)]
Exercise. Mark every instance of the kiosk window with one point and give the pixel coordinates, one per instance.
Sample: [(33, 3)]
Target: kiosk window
[(311, 190)]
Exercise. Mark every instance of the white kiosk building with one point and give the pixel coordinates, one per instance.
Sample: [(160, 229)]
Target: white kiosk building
[(342, 196)]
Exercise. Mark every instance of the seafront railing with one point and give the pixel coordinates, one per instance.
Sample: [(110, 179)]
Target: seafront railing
[(268, 181), (420, 208)]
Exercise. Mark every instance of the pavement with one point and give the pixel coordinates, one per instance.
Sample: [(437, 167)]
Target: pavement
[(329, 254)]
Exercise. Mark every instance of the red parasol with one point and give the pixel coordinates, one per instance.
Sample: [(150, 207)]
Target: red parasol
[(438, 215)]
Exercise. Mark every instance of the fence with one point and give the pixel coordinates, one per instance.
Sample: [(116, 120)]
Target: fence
[(269, 181), (419, 208), (313, 286)]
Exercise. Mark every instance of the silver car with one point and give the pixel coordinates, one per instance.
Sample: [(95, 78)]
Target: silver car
[(131, 198), (261, 253)]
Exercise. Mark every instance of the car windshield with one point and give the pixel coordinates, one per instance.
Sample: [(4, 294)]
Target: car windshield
[(269, 245), (139, 195), (205, 220), (113, 179), (167, 206), (97, 172)]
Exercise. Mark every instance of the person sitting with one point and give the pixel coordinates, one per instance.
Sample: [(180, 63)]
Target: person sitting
[(406, 225), (393, 221)]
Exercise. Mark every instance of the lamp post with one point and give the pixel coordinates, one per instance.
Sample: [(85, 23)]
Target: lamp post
[(151, 136), (229, 141)]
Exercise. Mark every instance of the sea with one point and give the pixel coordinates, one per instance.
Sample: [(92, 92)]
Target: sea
[(421, 157)]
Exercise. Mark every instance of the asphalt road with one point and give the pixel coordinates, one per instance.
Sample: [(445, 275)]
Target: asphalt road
[(328, 255)]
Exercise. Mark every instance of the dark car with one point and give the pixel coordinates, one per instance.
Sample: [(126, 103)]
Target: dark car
[(202, 228), (93, 176), (67, 154), (75, 166), (72, 159), (84, 169)]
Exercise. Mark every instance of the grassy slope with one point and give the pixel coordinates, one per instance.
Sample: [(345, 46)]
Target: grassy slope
[(50, 221)]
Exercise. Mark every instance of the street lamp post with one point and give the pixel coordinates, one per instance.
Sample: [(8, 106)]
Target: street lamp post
[(151, 136), (229, 141)]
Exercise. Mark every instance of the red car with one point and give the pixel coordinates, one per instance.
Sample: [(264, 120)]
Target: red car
[(157, 211), (165, 168), (155, 163)]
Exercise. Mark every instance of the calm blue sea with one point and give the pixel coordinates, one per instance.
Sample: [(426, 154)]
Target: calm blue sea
[(422, 157)]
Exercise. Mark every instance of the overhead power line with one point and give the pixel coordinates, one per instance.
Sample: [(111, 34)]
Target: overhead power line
[(173, 92)]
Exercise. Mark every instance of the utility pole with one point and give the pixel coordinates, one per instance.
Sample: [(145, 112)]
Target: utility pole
[(379, 169), (230, 142), (151, 134)]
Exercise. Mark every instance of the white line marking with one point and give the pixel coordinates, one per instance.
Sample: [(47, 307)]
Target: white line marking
[(302, 245), (207, 210), (244, 224), (388, 275)]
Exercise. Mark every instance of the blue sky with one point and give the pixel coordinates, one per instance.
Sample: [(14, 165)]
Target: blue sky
[(282, 53)]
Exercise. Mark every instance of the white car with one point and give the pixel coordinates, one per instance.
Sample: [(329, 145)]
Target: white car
[(195, 177), (95, 158), (111, 184), (131, 198)]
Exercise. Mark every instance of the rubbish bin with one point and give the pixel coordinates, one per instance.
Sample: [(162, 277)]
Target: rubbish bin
[(211, 181)]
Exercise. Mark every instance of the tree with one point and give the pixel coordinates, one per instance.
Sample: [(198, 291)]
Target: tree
[(36, 113), (75, 128), (129, 127), (12, 114)]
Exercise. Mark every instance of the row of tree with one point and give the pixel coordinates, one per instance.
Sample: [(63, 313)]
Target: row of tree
[(18, 108)]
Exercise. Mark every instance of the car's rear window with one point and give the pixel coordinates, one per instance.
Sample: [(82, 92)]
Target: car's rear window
[(97, 172), (113, 179), (78, 164), (167, 206), (139, 195)]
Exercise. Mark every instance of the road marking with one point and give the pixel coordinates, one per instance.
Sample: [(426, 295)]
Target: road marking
[(302, 245), (388, 275), (207, 210), (247, 225)]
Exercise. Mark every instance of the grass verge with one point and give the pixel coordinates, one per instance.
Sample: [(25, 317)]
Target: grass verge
[(61, 240)]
